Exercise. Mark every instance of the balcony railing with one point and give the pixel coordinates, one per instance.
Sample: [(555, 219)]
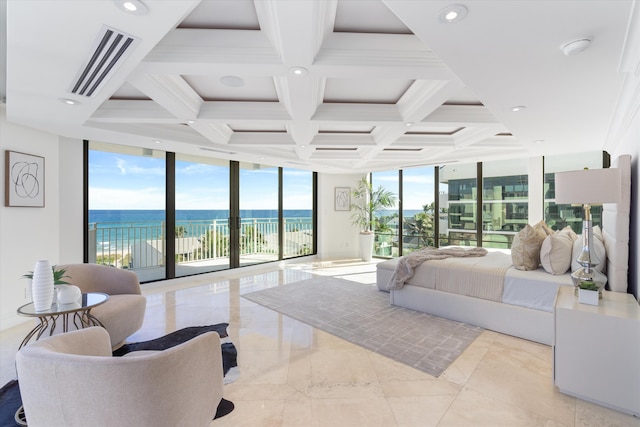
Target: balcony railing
[(143, 245)]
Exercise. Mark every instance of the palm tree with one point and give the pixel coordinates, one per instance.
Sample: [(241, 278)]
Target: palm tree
[(366, 202)]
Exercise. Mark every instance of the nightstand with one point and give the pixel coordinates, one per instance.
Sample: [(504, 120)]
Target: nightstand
[(596, 353)]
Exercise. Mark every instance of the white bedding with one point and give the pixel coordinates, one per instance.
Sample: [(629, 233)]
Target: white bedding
[(476, 277), (534, 289)]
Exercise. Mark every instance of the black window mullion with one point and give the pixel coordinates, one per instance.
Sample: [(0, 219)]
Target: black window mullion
[(170, 213), (281, 230), (400, 214), (479, 186), (234, 214)]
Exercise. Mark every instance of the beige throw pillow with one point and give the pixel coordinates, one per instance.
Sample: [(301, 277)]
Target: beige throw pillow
[(556, 251), (525, 249)]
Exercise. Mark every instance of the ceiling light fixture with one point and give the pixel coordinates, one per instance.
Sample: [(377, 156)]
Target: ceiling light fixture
[(232, 81), (453, 13), (69, 101), (157, 141), (134, 7), (298, 71), (539, 141), (576, 46), (518, 108)]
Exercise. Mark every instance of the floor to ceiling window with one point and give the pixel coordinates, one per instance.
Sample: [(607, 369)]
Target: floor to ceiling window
[(297, 204), (202, 214), (505, 201), (386, 223), (462, 202), (127, 216), (166, 215), (418, 209), (259, 228)]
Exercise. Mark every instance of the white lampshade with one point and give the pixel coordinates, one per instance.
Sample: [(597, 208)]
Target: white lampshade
[(589, 186)]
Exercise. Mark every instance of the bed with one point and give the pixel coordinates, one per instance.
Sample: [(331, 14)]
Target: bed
[(524, 306)]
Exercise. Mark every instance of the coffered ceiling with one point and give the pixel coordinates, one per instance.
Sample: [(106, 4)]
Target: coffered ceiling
[(383, 83)]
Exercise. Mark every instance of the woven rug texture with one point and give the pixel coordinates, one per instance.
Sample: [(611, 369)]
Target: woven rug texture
[(363, 315)]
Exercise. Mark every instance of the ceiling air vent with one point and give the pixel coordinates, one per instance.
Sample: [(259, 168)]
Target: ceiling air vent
[(110, 48)]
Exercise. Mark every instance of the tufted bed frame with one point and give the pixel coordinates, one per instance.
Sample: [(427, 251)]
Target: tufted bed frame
[(528, 323)]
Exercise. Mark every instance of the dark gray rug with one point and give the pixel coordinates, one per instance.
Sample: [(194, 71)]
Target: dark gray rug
[(361, 314)]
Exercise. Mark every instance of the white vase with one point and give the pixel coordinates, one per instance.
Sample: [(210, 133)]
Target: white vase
[(42, 286), (68, 294)]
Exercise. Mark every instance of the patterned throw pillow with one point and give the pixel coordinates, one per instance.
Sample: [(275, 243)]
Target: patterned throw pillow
[(525, 249)]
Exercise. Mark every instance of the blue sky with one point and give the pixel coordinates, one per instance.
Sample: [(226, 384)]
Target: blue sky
[(120, 181), (417, 186)]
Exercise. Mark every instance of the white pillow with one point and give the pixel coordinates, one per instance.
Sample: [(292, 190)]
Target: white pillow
[(597, 249), (556, 251)]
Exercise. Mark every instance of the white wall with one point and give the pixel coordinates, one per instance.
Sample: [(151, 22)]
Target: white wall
[(337, 237), (29, 234)]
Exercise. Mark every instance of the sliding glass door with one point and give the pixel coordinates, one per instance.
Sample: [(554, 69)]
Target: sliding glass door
[(202, 215), (127, 215), (258, 236)]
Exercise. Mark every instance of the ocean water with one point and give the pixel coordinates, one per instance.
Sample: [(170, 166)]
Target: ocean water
[(155, 216)]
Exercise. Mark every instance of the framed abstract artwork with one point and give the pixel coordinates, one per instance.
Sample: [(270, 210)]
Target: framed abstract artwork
[(24, 180), (343, 198)]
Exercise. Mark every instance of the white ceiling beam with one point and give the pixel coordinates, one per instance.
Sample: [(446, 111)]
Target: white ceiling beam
[(136, 111), (169, 91)]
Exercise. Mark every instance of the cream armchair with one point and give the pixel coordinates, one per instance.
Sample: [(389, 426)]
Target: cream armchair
[(72, 380), (123, 313)]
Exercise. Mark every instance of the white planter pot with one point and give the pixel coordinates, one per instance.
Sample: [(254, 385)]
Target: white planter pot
[(366, 246), (68, 294), (42, 286), (588, 297)]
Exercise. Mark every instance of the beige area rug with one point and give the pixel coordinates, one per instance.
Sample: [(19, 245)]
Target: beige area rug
[(362, 314)]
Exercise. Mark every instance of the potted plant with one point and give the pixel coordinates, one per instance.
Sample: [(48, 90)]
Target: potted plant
[(588, 292), (365, 202)]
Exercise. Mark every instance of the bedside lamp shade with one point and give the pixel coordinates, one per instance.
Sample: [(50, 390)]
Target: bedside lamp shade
[(588, 187)]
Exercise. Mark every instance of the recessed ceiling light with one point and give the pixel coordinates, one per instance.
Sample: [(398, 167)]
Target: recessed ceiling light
[(518, 108), (408, 124), (453, 13), (539, 141), (232, 81), (157, 141), (69, 101), (576, 46), (190, 122), (134, 7), (298, 71)]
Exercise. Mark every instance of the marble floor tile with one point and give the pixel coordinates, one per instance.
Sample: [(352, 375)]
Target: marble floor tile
[(292, 375)]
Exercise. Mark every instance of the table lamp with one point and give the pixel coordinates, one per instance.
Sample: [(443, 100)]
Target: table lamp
[(588, 187)]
